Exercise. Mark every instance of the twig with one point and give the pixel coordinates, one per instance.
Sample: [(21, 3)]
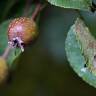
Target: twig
[(6, 52), (39, 7)]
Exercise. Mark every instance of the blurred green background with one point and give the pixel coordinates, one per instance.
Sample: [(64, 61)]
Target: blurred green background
[(43, 69)]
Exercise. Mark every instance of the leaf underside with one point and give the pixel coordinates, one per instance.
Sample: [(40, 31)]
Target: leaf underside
[(76, 58)]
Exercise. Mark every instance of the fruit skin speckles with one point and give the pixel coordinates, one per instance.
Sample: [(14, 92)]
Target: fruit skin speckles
[(21, 31)]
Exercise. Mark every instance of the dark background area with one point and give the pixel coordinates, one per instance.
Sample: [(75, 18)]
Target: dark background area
[(43, 69)]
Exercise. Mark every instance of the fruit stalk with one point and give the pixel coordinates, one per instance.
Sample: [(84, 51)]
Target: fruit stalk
[(38, 8)]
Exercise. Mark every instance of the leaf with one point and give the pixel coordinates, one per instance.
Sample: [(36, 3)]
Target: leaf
[(74, 4), (74, 52), (4, 42)]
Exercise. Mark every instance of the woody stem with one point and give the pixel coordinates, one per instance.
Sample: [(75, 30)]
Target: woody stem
[(6, 52), (38, 8)]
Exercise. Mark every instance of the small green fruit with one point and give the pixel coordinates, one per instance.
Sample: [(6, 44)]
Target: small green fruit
[(3, 70)]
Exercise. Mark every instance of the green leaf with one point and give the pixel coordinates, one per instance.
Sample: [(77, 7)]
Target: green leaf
[(4, 43), (74, 4), (76, 52)]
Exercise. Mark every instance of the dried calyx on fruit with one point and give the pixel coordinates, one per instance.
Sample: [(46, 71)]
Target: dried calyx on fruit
[(21, 31)]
